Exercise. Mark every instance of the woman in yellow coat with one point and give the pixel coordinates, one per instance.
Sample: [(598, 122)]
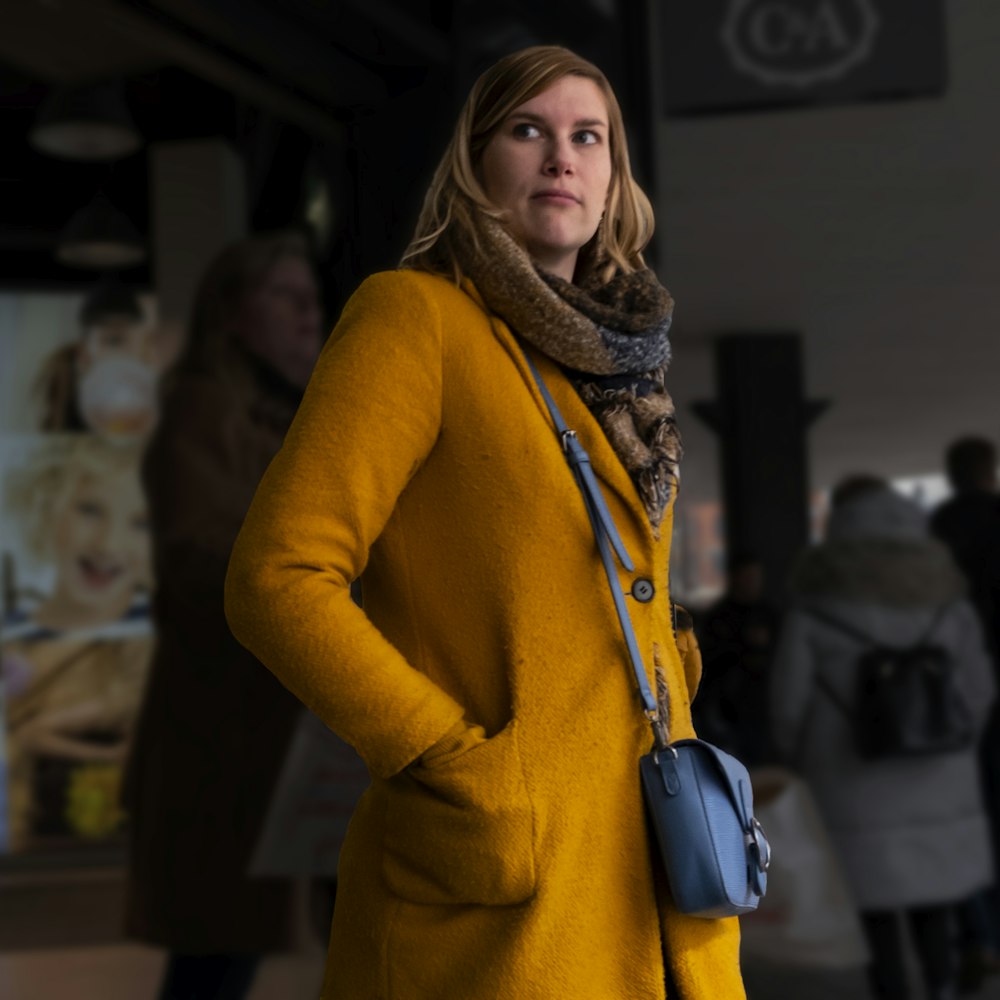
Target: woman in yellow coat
[(501, 850)]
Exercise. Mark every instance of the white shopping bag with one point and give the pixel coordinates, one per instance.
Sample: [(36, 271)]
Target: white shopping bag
[(314, 797), (808, 916)]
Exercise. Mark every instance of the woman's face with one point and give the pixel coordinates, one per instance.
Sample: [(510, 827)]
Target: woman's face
[(101, 540), (279, 320), (549, 166)]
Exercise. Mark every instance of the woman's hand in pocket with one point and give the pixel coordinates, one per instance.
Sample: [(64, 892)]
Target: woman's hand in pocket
[(461, 737), (460, 825)]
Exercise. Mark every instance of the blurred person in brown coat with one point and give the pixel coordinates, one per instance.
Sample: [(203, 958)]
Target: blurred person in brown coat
[(215, 724)]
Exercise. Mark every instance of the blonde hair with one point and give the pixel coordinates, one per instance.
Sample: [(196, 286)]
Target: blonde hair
[(456, 192), (37, 491)]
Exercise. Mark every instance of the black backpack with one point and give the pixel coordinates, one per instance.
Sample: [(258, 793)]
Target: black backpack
[(906, 702)]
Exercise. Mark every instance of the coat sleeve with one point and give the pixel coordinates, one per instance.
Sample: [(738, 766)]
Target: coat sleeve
[(370, 416), (792, 684)]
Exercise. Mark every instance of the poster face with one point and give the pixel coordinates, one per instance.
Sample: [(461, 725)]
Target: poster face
[(77, 402)]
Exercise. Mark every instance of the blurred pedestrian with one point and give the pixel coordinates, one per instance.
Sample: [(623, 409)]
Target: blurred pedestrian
[(215, 724), (911, 830), (969, 524), (737, 636)]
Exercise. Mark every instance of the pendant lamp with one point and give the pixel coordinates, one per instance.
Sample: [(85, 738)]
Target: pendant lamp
[(86, 123), (100, 236)]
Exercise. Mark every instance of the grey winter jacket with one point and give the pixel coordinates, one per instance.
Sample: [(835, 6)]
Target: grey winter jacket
[(910, 831)]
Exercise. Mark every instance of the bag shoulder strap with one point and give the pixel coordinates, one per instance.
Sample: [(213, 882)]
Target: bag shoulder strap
[(935, 621), (847, 628), (605, 534), (838, 625)]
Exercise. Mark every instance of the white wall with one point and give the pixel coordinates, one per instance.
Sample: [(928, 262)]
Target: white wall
[(873, 230)]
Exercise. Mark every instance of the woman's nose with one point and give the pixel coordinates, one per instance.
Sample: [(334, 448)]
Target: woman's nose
[(558, 161)]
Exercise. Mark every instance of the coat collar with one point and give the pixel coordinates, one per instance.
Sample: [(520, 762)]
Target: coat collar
[(606, 464)]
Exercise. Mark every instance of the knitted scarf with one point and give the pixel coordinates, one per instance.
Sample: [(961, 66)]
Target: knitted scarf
[(610, 338)]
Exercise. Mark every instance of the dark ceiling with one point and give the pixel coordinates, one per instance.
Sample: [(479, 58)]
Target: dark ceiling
[(366, 89)]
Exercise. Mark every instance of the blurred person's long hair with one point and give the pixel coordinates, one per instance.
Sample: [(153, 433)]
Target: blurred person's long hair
[(213, 346)]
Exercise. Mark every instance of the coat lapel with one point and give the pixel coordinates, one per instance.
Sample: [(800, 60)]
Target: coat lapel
[(606, 464)]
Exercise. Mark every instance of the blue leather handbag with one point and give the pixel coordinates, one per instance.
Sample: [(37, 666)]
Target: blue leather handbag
[(698, 798), (701, 806)]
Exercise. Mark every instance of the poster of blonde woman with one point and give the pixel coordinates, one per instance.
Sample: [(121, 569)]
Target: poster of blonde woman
[(75, 535), (75, 635)]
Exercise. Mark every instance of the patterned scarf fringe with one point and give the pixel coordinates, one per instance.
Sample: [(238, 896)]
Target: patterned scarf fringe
[(610, 337)]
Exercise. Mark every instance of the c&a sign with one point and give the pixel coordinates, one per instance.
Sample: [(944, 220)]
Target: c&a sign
[(720, 55), (782, 42)]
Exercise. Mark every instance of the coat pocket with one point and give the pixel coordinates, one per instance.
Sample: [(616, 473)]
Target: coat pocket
[(462, 831)]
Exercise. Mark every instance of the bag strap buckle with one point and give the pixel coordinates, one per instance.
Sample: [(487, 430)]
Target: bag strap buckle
[(758, 844)]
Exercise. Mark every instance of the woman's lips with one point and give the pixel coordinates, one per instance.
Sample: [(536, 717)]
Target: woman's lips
[(98, 574), (556, 197)]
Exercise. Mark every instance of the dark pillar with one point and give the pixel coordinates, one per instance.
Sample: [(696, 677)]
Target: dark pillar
[(761, 417)]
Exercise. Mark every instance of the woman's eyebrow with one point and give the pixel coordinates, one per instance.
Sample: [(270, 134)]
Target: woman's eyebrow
[(579, 123)]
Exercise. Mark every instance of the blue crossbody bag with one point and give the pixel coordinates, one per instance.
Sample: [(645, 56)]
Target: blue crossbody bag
[(698, 798)]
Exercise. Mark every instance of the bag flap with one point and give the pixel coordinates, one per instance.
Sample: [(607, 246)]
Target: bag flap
[(735, 775)]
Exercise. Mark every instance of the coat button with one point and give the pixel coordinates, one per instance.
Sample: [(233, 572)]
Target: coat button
[(643, 590)]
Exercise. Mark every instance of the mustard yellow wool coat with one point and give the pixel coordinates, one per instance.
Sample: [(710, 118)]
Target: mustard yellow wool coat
[(501, 850)]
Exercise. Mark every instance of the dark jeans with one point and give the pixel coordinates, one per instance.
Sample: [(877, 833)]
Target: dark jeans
[(930, 928), (208, 977)]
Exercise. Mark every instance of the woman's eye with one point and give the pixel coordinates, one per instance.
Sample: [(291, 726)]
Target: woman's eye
[(587, 137), (525, 130)]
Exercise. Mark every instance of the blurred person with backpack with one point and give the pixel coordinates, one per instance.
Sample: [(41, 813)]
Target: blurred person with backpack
[(880, 603)]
